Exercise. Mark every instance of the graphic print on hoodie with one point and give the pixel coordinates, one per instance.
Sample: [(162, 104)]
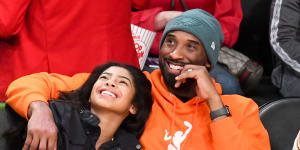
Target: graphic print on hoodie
[(178, 137)]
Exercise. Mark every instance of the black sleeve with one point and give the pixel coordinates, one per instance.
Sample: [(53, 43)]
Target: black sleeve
[(71, 134), (285, 31)]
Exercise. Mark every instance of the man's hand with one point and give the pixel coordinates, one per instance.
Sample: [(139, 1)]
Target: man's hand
[(205, 88), (42, 131), (163, 18)]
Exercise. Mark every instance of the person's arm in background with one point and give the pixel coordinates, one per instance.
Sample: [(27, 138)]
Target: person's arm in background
[(153, 19), (28, 96), (284, 32), (146, 18), (229, 14), (139, 4), (12, 14)]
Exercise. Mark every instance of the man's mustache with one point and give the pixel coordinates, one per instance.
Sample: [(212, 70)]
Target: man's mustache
[(177, 61)]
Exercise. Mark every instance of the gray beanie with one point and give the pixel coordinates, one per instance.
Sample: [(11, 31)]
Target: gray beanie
[(202, 25)]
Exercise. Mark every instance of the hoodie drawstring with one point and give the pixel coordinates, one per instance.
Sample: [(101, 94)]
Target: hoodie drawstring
[(173, 115), (194, 122)]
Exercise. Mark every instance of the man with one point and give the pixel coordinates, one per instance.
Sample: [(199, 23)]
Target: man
[(227, 12), (188, 111)]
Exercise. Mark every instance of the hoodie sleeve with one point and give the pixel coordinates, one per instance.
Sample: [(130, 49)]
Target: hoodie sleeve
[(40, 87), (12, 14), (243, 130), (229, 14), (284, 31)]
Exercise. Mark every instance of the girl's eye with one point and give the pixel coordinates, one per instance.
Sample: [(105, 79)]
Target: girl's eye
[(103, 77), (124, 82)]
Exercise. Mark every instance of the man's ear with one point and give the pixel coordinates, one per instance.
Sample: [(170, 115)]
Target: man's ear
[(132, 109)]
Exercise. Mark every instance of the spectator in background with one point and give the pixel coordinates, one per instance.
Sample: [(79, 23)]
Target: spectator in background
[(51, 36), (227, 12), (188, 112), (159, 12), (285, 41)]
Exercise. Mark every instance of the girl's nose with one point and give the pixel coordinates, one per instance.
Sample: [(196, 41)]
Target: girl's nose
[(110, 83)]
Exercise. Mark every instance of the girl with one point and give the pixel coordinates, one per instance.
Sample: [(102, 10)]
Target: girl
[(108, 111)]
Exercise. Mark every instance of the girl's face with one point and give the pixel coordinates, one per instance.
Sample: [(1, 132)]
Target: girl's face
[(113, 92)]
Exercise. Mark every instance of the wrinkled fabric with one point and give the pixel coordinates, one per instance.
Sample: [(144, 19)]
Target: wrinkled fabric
[(63, 36)]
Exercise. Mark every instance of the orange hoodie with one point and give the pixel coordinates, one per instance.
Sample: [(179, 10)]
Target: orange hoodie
[(172, 125), (175, 125)]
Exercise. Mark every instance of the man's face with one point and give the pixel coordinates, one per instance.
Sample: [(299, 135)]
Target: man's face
[(179, 49)]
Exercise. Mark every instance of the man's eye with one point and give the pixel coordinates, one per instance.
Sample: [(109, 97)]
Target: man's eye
[(190, 46), (170, 41)]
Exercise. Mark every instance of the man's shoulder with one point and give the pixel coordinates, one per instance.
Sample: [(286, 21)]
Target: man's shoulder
[(238, 101)]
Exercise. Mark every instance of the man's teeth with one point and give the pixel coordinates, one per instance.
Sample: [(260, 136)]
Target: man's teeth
[(108, 93), (175, 67)]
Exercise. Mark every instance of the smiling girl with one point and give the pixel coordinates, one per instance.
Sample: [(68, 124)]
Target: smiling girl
[(107, 112)]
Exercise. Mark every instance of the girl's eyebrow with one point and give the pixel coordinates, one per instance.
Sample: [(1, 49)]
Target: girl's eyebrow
[(125, 78), (120, 76)]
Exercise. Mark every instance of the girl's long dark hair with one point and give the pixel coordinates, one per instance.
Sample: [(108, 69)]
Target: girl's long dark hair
[(142, 98)]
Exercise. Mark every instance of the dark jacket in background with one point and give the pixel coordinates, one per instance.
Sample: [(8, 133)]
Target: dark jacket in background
[(285, 42)]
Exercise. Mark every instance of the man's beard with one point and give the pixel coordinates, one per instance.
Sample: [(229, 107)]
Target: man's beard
[(170, 81)]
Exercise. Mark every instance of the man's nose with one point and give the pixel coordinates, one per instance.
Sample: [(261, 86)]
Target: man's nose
[(177, 53)]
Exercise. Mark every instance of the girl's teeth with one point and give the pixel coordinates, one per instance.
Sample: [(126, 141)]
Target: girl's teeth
[(108, 93)]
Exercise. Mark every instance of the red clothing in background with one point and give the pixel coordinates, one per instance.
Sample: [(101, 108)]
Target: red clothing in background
[(63, 36), (227, 12)]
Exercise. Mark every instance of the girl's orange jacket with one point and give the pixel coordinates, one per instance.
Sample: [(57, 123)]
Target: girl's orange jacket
[(172, 125)]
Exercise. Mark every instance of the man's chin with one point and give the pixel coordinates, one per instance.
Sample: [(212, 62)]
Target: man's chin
[(170, 81), (168, 77)]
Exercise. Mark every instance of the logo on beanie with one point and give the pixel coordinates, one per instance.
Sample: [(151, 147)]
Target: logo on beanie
[(213, 45)]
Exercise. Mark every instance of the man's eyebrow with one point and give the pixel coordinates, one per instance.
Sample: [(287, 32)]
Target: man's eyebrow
[(170, 34), (195, 42)]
